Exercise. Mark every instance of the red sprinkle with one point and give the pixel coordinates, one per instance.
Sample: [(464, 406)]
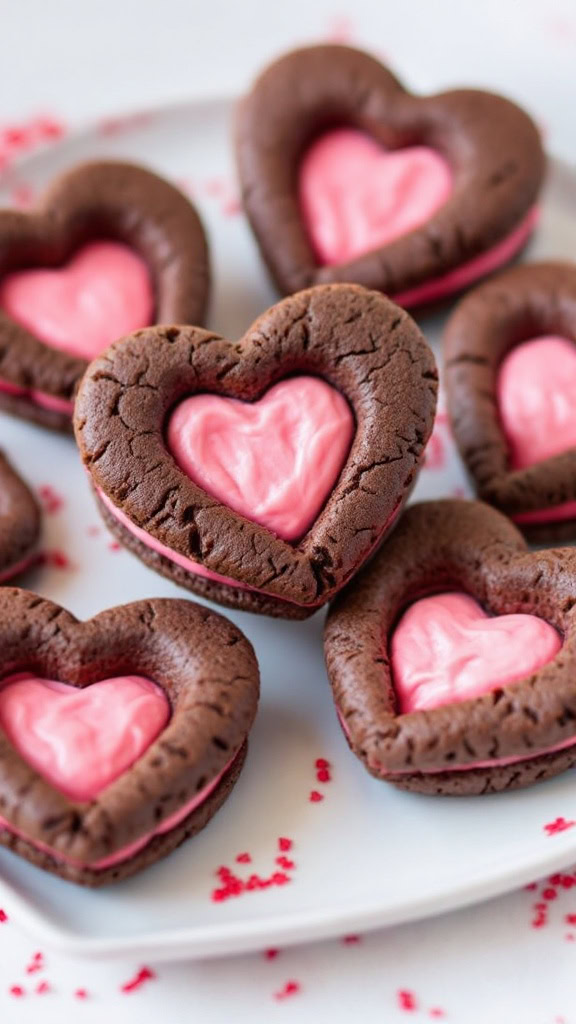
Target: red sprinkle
[(17, 991), (143, 975), (51, 500), (114, 546), (289, 989), (271, 954), (570, 919), (285, 862), (559, 825), (81, 993), (315, 797), (407, 1000), (437, 1012), (549, 894), (55, 560), (3, 916), (285, 844), (244, 858), (351, 940), (42, 988)]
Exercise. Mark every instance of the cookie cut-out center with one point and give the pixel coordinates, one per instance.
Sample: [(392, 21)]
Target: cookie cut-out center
[(104, 292), (274, 461), (357, 196), (446, 649), (80, 740)]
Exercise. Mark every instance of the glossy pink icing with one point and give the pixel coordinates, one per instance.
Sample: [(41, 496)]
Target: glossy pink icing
[(274, 461), (356, 196), (80, 740), (41, 398), (131, 849), (101, 294), (536, 390), (446, 649)]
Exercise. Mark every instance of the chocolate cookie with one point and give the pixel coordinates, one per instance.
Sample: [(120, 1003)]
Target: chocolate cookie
[(19, 523), (334, 392), (471, 691), (328, 201), (136, 725), (111, 248), (510, 372)]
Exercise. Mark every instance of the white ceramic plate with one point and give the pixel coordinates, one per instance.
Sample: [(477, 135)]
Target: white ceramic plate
[(366, 855)]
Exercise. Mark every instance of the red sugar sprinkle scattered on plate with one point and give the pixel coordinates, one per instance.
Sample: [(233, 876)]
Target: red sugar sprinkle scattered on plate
[(407, 1000), (17, 991), (55, 560), (315, 797), (244, 858), (559, 825), (42, 988), (3, 916), (271, 954), (141, 976), (290, 989), (570, 919), (285, 844), (285, 862), (51, 500), (436, 1011), (81, 993), (351, 940)]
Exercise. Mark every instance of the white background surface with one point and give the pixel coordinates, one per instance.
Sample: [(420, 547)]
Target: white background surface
[(75, 61)]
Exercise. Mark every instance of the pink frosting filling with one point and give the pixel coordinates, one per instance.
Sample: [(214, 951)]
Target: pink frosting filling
[(355, 196), (41, 398), (274, 461), (446, 649), (536, 388), (83, 739), (101, 294)]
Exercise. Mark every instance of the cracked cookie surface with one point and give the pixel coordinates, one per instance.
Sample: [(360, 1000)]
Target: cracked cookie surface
[(360, 343), (209, 673), (466, 547)]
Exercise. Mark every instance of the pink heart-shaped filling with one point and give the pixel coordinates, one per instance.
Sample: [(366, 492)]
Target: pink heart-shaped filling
[(356, 196), (446, 649), (274, 461), (80, 740), (101, 294), (536, 399)]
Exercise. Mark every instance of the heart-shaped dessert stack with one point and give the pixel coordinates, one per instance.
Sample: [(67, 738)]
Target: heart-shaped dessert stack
[(452, 657), (111, 248), (120, 736), (346, 176), (261, 473), (19, 523), (510, 372)]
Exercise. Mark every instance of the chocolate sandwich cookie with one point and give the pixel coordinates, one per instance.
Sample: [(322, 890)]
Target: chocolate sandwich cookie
[(452, 657), (120, 736), (261, 473), (111, 248), (346, 176), (19, 523), (510, 358)]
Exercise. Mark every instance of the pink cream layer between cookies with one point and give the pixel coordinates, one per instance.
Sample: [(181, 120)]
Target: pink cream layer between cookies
[(104, 292), (355, 197), (82, 739), (536, 396), (446, 649)]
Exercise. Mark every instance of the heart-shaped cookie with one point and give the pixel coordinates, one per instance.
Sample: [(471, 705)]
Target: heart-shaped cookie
[(19, 523), (346, 176), (112, 247), (175, 688), (510, 364), (340, 344), (427, 692)]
